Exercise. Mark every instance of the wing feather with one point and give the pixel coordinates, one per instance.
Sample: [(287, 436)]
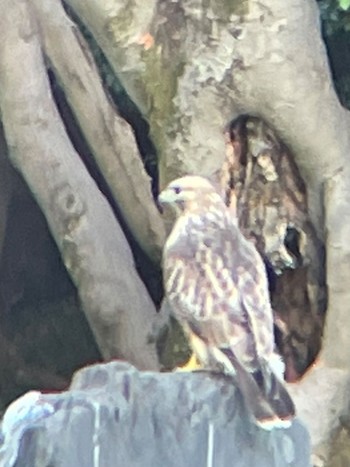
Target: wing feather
[(216, 284), (221, 289)]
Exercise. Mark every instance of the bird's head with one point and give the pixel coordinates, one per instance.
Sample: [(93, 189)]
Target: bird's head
[(189, 192)]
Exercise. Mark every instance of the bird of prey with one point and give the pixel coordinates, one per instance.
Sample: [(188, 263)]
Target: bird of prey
[(216, 284)]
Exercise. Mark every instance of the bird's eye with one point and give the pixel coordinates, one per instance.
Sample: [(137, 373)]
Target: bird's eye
[(177, 189)]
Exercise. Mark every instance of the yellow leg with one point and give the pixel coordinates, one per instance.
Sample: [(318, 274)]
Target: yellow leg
[(191, 365), (199, 357)]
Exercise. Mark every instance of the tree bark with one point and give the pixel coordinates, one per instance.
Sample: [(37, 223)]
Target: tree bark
[(165, 65), (202, 66), (110, 138), (91, 242), (285, 79), (191, 68)]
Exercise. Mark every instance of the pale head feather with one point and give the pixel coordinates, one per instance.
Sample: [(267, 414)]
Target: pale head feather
[(189, 192)]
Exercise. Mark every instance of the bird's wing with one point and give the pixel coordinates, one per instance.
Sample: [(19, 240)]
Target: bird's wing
[(218, 290), (219, 286), (239, 269), (253, 290)]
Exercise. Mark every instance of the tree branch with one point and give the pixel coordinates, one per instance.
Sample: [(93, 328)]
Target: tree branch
[(119, 26), (285, 78), (91, 242), (109, 136)]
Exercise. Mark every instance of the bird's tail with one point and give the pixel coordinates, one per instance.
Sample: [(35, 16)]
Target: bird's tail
[(264, 395)]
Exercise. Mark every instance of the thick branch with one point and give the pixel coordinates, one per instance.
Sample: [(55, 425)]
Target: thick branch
[(271, 64), (336, 340), (284, 77), (168, 79), (287, 81), (92, 244), (110, 137), (323, 409), (118, 27)]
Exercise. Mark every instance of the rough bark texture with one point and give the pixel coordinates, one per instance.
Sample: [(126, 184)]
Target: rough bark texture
[(325, 412), (116, 416), (110, 138), (115, 300), (264, 189), (174, 81)]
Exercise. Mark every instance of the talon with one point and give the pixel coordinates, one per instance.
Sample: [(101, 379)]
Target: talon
[(191, 365)]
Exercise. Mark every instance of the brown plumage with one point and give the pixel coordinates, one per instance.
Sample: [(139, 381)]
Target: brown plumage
[(216, 284)]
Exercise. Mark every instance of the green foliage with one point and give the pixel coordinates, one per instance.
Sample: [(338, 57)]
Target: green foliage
[(335, 15), (344, 4)]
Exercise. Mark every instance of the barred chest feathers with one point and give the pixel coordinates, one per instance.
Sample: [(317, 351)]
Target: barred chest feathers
[(191, 229)]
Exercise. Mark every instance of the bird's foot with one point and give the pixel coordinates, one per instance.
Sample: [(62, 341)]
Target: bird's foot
[(191, 365)]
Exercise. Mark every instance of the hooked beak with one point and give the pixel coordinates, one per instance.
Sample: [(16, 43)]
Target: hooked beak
[(167, 196)]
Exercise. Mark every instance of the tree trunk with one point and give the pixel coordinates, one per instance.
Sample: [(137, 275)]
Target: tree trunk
[(109, 137), (213, 63), (191, 68), (91, 242)]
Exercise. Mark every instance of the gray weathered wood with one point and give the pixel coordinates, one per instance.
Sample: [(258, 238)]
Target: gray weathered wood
[(115, 416)]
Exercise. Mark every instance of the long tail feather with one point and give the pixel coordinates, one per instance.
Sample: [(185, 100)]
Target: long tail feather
[(276, 393), (264, 395)]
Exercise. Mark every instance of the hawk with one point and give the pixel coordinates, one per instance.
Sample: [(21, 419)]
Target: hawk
[(216, 284)]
